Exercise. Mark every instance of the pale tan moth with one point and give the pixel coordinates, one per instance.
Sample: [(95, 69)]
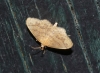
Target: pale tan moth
[(48, 34)]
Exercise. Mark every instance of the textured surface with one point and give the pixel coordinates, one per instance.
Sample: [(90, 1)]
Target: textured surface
[(80, 18)]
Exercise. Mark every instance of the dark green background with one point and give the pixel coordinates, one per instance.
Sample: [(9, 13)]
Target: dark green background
[(80, 18)]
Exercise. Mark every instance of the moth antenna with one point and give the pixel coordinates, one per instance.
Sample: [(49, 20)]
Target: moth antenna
[(35, 47)]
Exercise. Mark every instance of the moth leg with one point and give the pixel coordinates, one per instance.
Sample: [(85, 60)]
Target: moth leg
[(55, 25)]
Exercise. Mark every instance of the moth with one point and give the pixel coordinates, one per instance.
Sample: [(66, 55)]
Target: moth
[(48, 34)]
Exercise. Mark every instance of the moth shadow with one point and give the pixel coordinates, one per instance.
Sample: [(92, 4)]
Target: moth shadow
[(61, 51)]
